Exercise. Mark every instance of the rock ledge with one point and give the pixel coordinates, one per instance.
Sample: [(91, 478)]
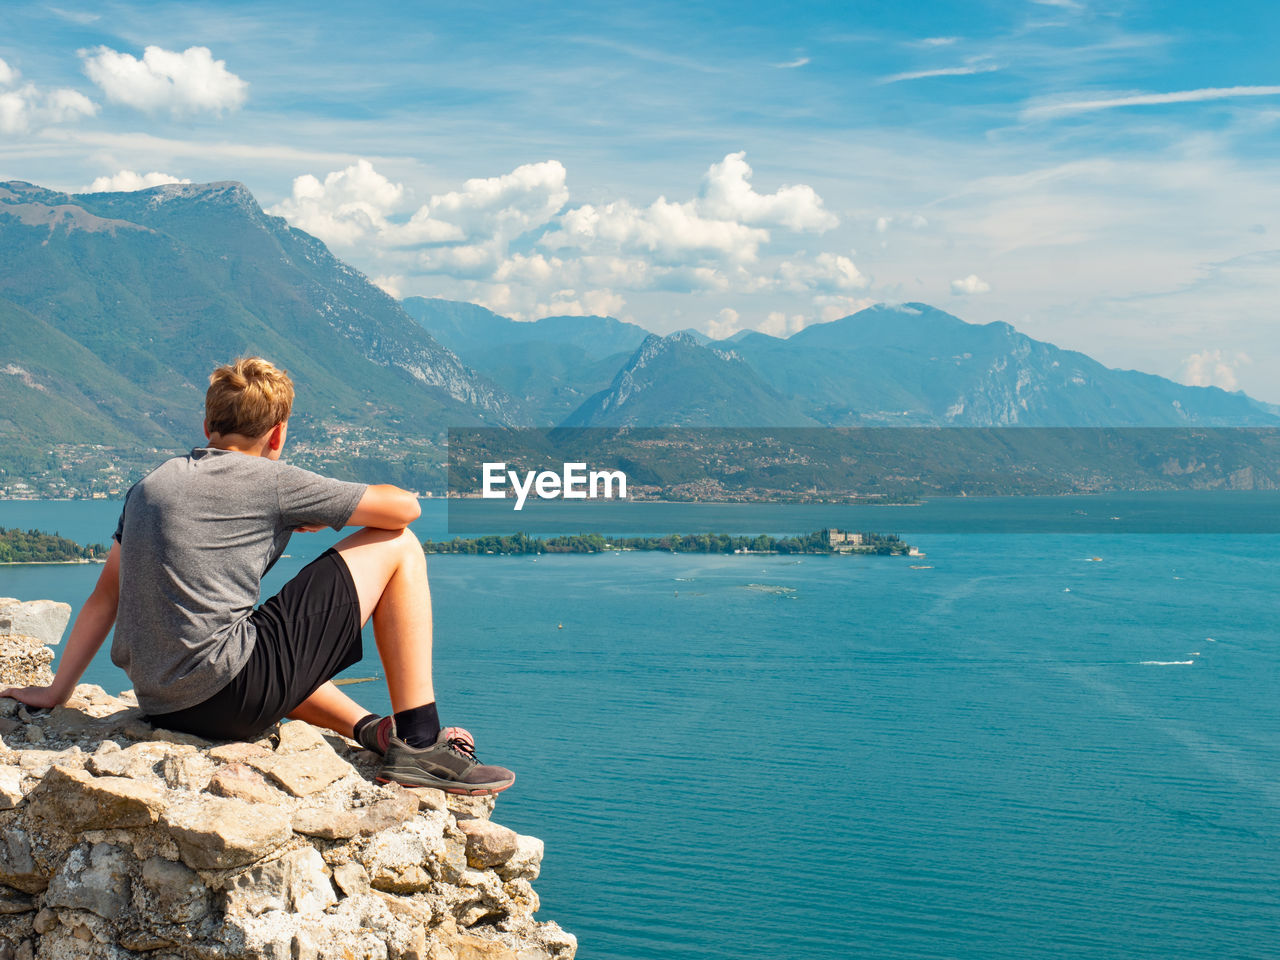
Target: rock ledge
[(120, 841)]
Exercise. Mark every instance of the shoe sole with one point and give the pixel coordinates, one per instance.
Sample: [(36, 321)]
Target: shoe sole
[(452, 786)]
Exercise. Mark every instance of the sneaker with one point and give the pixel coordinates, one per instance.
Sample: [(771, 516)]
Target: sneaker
[(376, 737), (450, 765)]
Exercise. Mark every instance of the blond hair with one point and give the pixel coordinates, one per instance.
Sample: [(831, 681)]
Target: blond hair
[(247, 397)]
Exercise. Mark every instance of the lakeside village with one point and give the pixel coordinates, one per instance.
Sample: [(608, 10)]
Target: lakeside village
[(34, 546), (830, 541)]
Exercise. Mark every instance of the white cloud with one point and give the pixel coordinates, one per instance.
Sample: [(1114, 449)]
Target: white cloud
[(347, 207), (1213, 368), (938, 41), (964, 71), (836, 307), (1147, 99), (727, 193), (792, 64), (726, 323), (972, 284), (726, 222), (127, 181), (390, 285), (75, 16), (827, 273), (670, 231), (582, 259), (182, 83), (505, 206), (29, 106), (592, 303), (8, 75), (780, 324)]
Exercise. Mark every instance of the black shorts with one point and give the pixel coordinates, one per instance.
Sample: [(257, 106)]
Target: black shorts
[(307, 634)]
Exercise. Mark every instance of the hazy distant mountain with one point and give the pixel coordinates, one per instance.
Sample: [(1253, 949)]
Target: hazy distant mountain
[(550, 365), (117, 306), (915, 364), (676, 381)]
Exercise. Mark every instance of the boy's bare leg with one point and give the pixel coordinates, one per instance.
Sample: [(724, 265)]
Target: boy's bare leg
[(330, 708), (390, 574), (389, 570)]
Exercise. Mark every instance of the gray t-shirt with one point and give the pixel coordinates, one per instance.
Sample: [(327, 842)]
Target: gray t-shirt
[(196, 536)]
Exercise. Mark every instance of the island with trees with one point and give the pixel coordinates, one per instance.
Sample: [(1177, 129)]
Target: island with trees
[(36, 546), (828, 541)]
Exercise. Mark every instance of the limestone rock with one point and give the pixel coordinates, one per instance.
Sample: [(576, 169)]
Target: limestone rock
[(190, 772), (12, 902), (352, 879), (137, 762), (24, 662), (526, 862), (10, 787), (297, 736), (337, 824), (305, 773), (77, 801), (297, 882), (488, 844), (133, 842), (18, 868), (94, 878), (213, 833), (241, 782), (171, 891), (41, 620), (237, 752)]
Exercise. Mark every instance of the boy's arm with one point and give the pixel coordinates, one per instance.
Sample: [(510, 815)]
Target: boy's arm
[(385, 507), (94, 622)]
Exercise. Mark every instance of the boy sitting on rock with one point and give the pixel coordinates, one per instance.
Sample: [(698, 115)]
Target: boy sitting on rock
[(194, 540)]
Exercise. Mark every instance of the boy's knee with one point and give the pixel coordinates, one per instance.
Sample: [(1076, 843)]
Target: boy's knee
[(408, 544)]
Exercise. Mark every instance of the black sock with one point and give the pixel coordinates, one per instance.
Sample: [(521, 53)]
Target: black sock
[(418, 726), (366, 732)]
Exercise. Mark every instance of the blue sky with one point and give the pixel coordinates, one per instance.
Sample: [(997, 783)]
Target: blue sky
[(1097, 174)]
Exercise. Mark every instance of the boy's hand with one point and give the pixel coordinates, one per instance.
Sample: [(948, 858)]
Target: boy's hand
[(45, 698), (310, 528)]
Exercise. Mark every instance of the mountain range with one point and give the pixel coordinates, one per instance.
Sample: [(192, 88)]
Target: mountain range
[(114, 307)]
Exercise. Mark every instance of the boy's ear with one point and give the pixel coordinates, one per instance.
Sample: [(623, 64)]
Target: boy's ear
[(276, 439), (206, 430)]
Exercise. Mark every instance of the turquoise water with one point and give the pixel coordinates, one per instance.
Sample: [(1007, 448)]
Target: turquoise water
[(1007, 755)]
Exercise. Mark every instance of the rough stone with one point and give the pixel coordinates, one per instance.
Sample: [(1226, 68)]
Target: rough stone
[(297, 882), (172, 891), (128, 851), (136, 762), (36, 763), (305, 773), (297, 736), (352, 879), (77, 801), (14, 902), (10, 787), (24, 662), (241, 782), (190, 772), (237, 752), (18, 867), (214, 833), (337, 824), (42, 620), (488, 844), (94, 878), (526, 862)]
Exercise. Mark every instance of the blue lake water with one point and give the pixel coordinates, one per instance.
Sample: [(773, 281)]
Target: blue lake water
[(1017, 752)]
